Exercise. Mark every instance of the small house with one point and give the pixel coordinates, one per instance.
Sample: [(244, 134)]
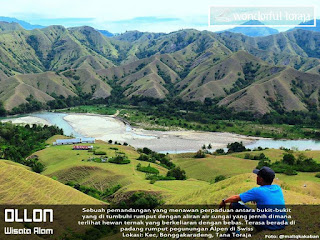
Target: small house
[(74, 141), (82, 147)]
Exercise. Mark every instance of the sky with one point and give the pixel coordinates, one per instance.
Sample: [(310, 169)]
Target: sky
[(118, 16)]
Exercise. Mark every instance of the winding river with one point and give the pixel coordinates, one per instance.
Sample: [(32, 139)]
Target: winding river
[(107, 127)]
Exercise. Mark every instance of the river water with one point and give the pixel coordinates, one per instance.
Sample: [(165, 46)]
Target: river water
[(159, 141)]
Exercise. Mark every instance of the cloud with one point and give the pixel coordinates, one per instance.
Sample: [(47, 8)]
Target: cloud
[(66, 22), (154, 24), (121, 15), (147, 20)]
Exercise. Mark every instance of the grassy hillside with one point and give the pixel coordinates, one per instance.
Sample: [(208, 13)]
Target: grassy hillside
[(289, 90), (208, 168), (19, 185), (68, 165), (279, 72), (293, 194), (45, 87)]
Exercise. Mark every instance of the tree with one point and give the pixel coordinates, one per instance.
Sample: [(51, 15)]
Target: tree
[(290, 172), (220, 151), (146, 150), (200, 154), (264, 163), (3, 111), (288, 158), (236, 147), (177, 173), (262, 156), (38, 167), (219, 178), (140, 200)]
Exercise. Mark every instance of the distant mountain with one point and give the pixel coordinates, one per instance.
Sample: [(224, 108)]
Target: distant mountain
[(106, 33), (5, 26), (23, 24), (317, 28), (254, 31), (29, 26)]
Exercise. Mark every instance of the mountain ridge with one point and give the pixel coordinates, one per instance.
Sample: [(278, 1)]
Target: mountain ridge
[(191, 64)]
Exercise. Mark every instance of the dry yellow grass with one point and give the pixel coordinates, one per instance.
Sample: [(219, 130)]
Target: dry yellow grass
[(19, 185)]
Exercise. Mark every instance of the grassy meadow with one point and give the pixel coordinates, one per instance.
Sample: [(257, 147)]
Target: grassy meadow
[(19, 185), (66, 165)]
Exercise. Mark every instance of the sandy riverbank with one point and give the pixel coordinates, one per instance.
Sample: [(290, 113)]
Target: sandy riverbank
[(27, 120), (106, 127)]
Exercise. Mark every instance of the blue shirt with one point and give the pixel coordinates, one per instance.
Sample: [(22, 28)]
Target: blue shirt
[(268, 196)]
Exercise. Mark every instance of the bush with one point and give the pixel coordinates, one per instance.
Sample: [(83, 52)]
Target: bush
[(200, 154), (264, 163), (145, 157), (87, 190), (141, 200), (289, 159), (255, 157), (236, 147), (154, 157), (154, 178), (279, 167), (146, 150), (307, 165), (109, 191), (219, 178), (94, 192), (177, 173), (119, 159), (99, 153), (37, 167), (317, 175), (147, 169), (290, 171), (220, 151)]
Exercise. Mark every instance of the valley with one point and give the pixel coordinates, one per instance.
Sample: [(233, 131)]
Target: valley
[(159, 119)]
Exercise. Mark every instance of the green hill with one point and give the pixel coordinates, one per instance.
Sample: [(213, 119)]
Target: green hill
[(289, 89), (236, 69), (68, 165), (18, 185), (44, 87)]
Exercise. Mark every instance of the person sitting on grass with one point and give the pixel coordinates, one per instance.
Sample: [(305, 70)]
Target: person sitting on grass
[(270, 202)]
